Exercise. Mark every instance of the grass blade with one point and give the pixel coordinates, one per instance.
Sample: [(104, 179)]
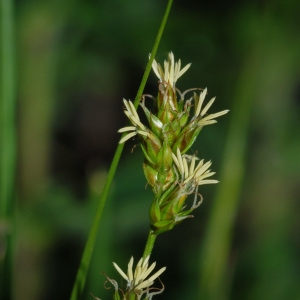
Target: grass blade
[(8, 144), (217, 241)]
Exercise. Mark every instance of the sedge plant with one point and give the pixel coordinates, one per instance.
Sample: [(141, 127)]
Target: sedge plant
[(173, 175), (82, 272)]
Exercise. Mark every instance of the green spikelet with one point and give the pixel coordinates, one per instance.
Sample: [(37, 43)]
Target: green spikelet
[(172, 129)]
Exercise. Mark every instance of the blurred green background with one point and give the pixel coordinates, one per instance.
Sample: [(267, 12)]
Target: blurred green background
[(75, 61)]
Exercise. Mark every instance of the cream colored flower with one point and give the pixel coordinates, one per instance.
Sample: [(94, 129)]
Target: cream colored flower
[(199, 111), (190, 173), (171, 71), (137, 280), (137, 128)]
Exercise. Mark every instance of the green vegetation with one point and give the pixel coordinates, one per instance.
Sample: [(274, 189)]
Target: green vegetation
[(74, 63)]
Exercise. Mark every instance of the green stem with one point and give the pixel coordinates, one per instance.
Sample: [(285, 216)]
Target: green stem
[(7, 107), (8, 144), (81, 276), (153, 53), (150, 243), (216, 246)]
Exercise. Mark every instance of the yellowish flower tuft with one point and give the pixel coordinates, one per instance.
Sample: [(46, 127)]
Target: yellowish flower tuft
[(139, 279), (172, 71)]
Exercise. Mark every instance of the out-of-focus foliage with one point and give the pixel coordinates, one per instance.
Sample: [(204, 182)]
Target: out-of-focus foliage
[(76, 61)]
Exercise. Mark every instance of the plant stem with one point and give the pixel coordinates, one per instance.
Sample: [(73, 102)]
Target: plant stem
[(7, 107), (216, 246), (81, 276), (153, 53), (8, 144), (150, 243)]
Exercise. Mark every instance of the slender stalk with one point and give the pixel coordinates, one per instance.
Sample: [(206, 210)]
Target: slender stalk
[(149, 244), (89, 247), (7, 142), (7, 106), (153, 53), (217, 242)]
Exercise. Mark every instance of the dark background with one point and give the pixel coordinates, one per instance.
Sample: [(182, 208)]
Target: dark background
[(76, 61)]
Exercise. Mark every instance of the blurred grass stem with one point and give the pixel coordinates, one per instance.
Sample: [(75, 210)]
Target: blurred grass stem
[(8, 145), (82, 272), (216, 246)]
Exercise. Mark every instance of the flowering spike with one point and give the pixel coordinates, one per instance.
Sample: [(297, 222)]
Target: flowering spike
[(170, 132)]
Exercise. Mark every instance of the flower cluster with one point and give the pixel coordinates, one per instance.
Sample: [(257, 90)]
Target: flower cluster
[(172, 129), (138, 281)]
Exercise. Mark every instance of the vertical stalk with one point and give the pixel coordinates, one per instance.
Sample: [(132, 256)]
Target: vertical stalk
[(82, 272), (149, 244), (7, 142), (216, 246)]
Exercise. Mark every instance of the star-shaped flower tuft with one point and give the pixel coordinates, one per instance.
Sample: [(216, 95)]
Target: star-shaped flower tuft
[(138, 280), (190, 173), (137, 128), (200, 112), (172, 71)]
